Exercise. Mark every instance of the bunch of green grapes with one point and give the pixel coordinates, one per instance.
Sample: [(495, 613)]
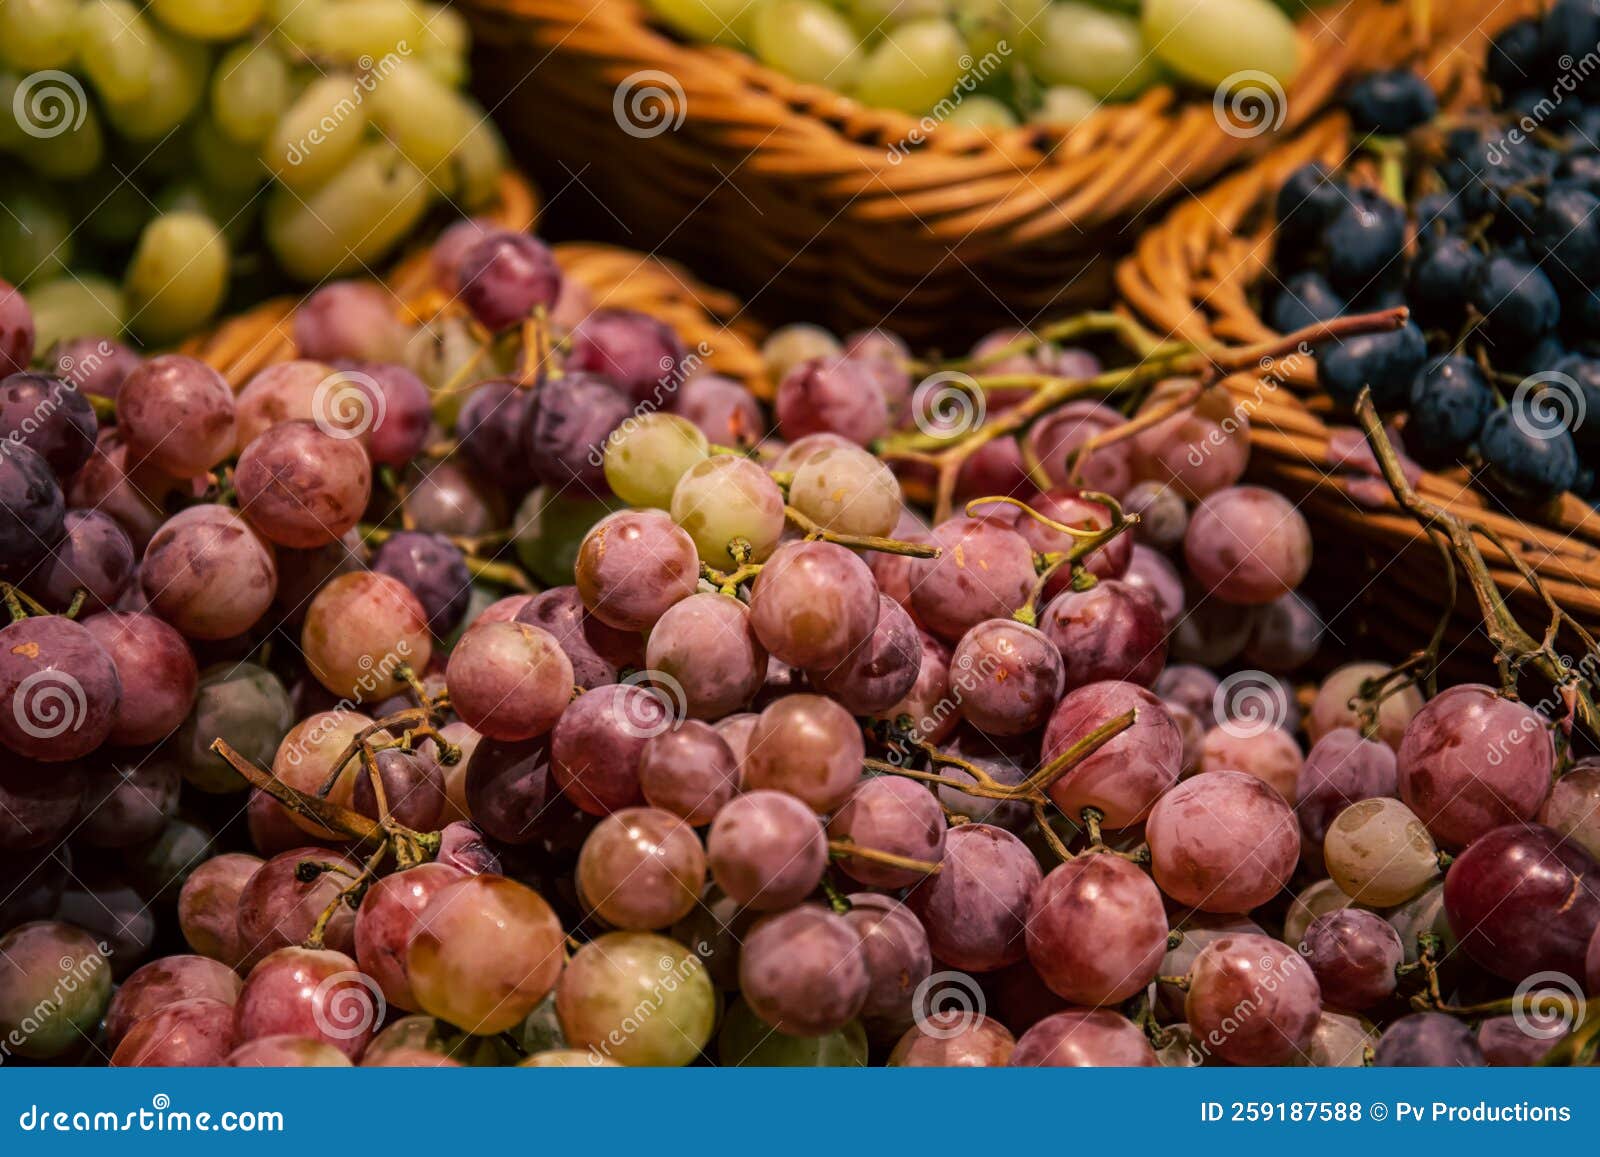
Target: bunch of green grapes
[(996, 63), (165, 143)]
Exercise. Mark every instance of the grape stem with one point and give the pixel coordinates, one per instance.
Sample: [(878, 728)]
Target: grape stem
[(860, 541), (837, 900), (845, 849), (19, 603)]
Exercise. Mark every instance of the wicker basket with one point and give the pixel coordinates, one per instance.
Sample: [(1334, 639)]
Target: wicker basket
[(708, 321), (1192, 275), (799, 198)]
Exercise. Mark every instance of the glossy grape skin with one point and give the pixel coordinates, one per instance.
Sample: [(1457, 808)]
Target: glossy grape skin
[(129, 802), (766, 850), (889, 814), (50, 417), (569, 422), (1379, 853), (1354, 954), (831, 395), (985, 571), (1341, 768), (462, 846), (721, 499), (641, 354), (284, 1050), (954, 1040), (1521, 900), (59, 688), (1315, 900), (16, 330), (1096, 930), (95, 555), (744, 1040), (847, 490), (1428, 1040), (808, 746), (508, 787), (595, 748), (278, 910), (898, 960), (707, 643), (1471, 761), (509, 681), (813, 604), (56, 963), (600, 992), (883, 670), (1111, 631), (804, 971), (723, 410), (975, 910), (1053, 439), (359, 630), (1222, 841), (505, 277), (186, 1034), (241, 703), (208, 906), (634, 565), (209, 573), (389, 914), (164, 982), (1573, 808), (1332, 709), (177, 415), (1126, 775), (1247, 545), (1249, 967), (317, 994), (641, 869), (301, 487), (1083, 1038), (689, 771), (32, 507), (1011, 676)]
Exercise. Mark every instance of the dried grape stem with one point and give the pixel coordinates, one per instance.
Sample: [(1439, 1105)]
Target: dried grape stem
[(844, 849), (860, 541)]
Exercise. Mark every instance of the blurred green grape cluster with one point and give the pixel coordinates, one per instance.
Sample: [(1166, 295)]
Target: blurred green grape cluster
[(162, 153), (997, 63)]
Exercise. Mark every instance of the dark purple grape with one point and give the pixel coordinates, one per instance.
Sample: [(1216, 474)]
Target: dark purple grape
[(642, 355), (766, 850), (95, 365), (1342, 768), (976, 909), (51, 417), (889, 814), (984, 571), (569, 421), (1520, 1041), (241, 703), (1354, 954), (38, 802), (95, 555), (689, 771), (491, 431), (453, 244), (1010, 676), (16, 330), (32, 508), (100, 902), (1153, 573), (882, 670), (1081, 1038), (508, 787), (129, 802), (595, 748), (413, 787), (505, 277), (1428, 1040), (804, 971), (1113, 630), (445, 498), (461, 846), (432, 568), (594, 649), (59, 689)]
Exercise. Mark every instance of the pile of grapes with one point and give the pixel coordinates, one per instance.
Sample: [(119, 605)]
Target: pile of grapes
[(773, 772), (1492, 237), (156, 149), (995, 63)]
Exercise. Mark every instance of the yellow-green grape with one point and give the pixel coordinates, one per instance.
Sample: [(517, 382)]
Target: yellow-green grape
[(1096, 50), (73, 146), (179, 69), (208, 19), (116, 49), (1214, 41), (914, 67), (982, 112), (1379, 853), (722, 21), (352, 220), (364, 32), (36, 34), (1004, 28), (235, 211), (223, 162), (424, 119), (476, 164), (82, 305), (646, 456), (1064, 104), (319, 133), (805, 39), (872, 17), (445, 42), (789, 345), (35, 236), (177, 277), (250, 90)]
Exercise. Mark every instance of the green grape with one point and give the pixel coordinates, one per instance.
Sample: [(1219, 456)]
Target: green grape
[(223, 162), (982, 112), (250, 90), (319, 133), (1001, 27), (35, 236), (720, 21), (1212, 41), (235, 210), (550, 526), (116, 49), (178, 72), (208, 19), (805, 39), (445, 43), (178, 276), (37, 34), (871, 17), (914, 67), (747, 1041), (646, 456), (353, 220), (476, 164), (425, 119), (76, 151), (1064, 104), (1100, 51), (82, 305), (363, 32), (726, 498)]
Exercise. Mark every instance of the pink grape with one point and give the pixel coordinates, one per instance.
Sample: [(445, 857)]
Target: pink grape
[(813, 604), (16, 330), (313, 993), (350, 319), (389, 915), (1070, 507), (808, 746), (766, 850), (1222, 841), (643, 355), (360, 629), (278, 909), (889, 814), (1270, 754), (1573, 808), (301, 487), (898, 960), (976, 909), (165, 982), (209, 573), (177, 415), (1337, 704), (689, 771), (641, 869), (594, 649), (1280, 987), (1054, 439), (157, 671), (880, 672), (833, 395), (1248, 545), (596, 746), (1199, 450), (1153, 573), (187, 1034), (723, 410), (403, 412), (286, 1051), (954, 1040), (1110, 631), (1342, 768), (804, 971), (208, 906), (633, 566), (287, 392), (984, 571), (59, 689), (1354, 954), (1096, 930), (931, 712), (95, 555), (1505, 1042), (1017, 676), (509, 681), (708, 644), (1083, 1038), (505, 277), (1126, 775)]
